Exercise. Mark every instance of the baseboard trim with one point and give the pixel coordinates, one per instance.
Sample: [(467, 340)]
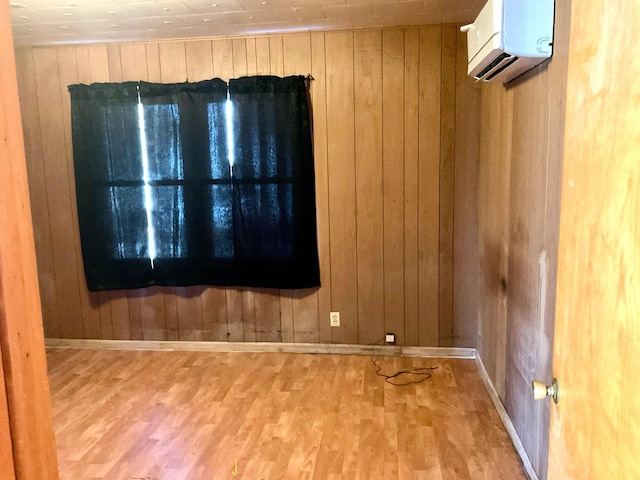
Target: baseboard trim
[(506, 420), (333, 349)]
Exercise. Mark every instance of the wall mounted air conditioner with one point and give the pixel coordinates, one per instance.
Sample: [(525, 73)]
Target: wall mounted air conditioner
[(508, 38)]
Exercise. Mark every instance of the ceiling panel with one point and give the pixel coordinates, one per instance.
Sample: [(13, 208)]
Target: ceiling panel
[(53, 22)]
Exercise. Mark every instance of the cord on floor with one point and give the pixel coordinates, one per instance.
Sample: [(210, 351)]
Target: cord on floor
[(422, 372)]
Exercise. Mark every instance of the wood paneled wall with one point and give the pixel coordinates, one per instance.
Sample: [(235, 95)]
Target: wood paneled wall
[(386, 105), (522, 131)]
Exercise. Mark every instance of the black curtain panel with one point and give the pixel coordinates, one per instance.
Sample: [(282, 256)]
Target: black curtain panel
[(274, 209), (190, 181), (110, 185), (168, 195)]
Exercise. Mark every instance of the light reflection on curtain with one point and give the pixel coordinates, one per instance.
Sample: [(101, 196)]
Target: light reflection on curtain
[(109, 184), (183, 125)]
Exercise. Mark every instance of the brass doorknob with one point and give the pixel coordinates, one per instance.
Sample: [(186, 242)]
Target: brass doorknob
[(541, 390)]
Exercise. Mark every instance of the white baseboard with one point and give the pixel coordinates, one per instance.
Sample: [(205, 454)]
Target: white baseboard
[(506, 420), (334, 349)]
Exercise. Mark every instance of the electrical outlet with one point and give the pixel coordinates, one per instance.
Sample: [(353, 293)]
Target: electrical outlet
[(334, 318), (390, 338)]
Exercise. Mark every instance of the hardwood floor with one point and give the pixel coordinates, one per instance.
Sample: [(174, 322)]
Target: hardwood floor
[(133, 415)]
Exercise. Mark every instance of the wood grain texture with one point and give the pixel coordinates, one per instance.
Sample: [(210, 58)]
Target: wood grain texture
[(466, 204), (93, 66), (296, 54), (393, 178), (199, 60), (494, 194), (593, 429), (305, 316), (369, 184), (38, 195), (411, 185), (292, 416), (319, 108), (25, 388), (58, 179), (7, 467), (520, 161), (133, 62), (446, 193), (377, 112), (429, 104), (342, 183)]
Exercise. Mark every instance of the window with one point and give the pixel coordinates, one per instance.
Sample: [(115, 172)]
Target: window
[(195, 183)]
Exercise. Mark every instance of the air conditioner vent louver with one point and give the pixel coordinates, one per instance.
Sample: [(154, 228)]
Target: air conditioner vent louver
[(508, 38), (501, 62), (497, 68)]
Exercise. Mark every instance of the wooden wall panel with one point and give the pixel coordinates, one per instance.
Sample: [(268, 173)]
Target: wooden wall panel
[(429, 98), (133, 63), (319, 107), (49, 89), (342, 183), (296, 63), (169, 296), (447, 166), (239, 46), (520, 165), (466, 206), (152, 313), (305, 316), (276, 55), (189, 309), (526, 257), (92, 66), (38, 195), (153, 62), (384, 108), (393, 177), (494, 196), (263, 65), (368, 177), (199, 60), (304, 303), (115, 64), (214, 313), (135, 314), (411, 185)]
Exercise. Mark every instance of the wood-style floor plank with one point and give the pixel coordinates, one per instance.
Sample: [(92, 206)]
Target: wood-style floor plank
[(134, 415)]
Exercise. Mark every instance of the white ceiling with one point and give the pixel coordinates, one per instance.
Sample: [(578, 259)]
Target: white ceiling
[(50, 22)]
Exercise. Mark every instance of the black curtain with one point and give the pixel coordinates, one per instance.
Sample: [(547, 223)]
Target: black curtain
[(190, 179), (110, 185), (274, 208), (249, 224)]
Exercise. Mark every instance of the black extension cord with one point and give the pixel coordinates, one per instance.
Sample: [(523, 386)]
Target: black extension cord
[(422, 372)]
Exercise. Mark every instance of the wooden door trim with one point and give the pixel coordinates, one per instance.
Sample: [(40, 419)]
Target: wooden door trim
[(21, 333)]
